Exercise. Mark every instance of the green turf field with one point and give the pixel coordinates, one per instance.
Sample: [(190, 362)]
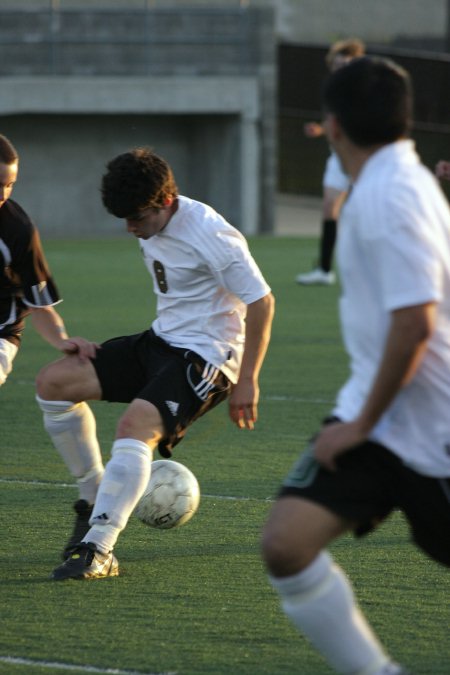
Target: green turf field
[(195, 600)]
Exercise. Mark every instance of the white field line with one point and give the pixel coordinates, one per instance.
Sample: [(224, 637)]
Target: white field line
[(299, 399), (11, 660), (43, 483), (269, 397), (92, 669)]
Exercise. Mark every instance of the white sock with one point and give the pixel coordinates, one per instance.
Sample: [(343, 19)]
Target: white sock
[(126, 477), (72, 428), (320, 602), (390, 669)]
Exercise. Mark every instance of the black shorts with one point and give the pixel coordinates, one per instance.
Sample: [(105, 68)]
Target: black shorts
[(179, 382), (369, 483)]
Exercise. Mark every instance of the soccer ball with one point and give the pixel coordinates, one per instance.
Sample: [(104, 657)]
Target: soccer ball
[(171, 497)]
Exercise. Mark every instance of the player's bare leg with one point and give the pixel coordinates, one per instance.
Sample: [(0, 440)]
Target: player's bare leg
[(315, 593)]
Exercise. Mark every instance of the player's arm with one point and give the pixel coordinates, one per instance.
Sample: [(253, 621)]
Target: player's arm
[(410, 330), (244, 398), (313, 130), (49, 324)]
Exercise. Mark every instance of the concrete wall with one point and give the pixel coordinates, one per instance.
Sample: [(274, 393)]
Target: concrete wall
[(381, 22), (199, 87), (63, 158), (67, 129), (312, 21)]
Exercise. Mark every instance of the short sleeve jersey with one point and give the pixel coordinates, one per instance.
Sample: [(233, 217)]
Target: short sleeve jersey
[(25, 279), (393, 253), (204, 277), (334, 176)]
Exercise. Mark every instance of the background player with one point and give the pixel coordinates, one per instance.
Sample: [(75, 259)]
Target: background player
[(214, 315), (335, 181), (387, 446)]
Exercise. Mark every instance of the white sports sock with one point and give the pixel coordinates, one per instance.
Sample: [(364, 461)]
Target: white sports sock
[(320, 602), (126, 477), (391, 669), (72, 428)]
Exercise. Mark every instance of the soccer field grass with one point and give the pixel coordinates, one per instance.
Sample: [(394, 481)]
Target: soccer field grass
[(194, 600)]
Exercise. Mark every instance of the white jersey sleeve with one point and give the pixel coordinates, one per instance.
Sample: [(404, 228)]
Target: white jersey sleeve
[(238, 272)]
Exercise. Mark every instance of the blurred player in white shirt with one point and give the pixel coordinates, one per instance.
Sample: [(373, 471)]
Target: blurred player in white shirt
[(207, 343), (335, 182), (386, 445)]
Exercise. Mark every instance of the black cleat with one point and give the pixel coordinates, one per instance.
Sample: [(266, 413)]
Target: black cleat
[(84, 561), (84, 511)]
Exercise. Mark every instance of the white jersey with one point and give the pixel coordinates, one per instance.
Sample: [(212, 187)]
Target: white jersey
[(334, 176), (204, 277), (394, 252)]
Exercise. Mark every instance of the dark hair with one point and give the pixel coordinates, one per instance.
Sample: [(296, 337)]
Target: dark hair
[(372, 100), (135, 181), (8, 153)]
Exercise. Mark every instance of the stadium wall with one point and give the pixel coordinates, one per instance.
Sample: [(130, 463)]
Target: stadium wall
[(196, 84)]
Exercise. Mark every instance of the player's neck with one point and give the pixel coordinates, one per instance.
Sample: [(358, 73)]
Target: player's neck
[(171, 210), (355, 159)]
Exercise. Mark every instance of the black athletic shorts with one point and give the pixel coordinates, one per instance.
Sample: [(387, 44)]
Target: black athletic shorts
[(371, 482), (179, 382)]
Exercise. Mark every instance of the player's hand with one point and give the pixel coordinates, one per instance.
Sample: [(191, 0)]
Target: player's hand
[(83, 348), (442, 170), (243, 404), (313, 130), (335, 439)]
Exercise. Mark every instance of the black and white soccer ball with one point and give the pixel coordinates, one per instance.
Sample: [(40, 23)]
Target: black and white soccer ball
[(171, 498)]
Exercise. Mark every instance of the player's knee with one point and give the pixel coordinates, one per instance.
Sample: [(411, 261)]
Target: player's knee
[(141, 421), (42, 383), (273, 548), (48, 383), (65, 380), (281, 557)]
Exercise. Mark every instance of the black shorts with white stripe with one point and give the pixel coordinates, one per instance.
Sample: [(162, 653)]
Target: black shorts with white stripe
[(179, 382), (370, 482)]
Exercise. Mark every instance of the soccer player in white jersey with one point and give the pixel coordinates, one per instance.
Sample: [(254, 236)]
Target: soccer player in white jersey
[(26, 284), (207, 343), (335, 183), (387, 444)]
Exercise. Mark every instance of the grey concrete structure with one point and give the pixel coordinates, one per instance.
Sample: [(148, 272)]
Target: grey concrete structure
[(311, 21), (198, 85)]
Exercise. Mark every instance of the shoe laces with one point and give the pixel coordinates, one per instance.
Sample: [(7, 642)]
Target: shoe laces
[(86, 549)]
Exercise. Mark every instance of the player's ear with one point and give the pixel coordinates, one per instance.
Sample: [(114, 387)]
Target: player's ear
[(168, 201), (332, 127)]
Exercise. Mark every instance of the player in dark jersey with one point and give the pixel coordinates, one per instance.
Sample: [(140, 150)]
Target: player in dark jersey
[(26, 284)]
